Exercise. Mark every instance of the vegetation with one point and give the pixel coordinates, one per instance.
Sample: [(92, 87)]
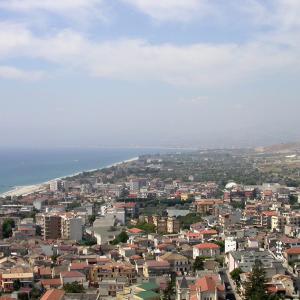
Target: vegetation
[(170, 290), (121, 238), (221, 244), (146, 227), (293, 200), (189, 219), (255, 288), (88, 241), (73, 205), (236, 276), (92, 219), (73, 287), (198, 263), (17, 285), (7, 227)]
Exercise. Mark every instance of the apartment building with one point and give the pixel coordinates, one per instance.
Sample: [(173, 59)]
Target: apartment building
[(122, 271), (51, 228)]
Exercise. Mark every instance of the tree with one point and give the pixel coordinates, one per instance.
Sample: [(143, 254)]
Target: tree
[(35, 293), (221, 244), (293, 199), (7, 227), (17, 285), (73, 287), (198, 263), (38, 230), (92, 219), (255, 288), (170, 290), (121, 238), (236, 276)]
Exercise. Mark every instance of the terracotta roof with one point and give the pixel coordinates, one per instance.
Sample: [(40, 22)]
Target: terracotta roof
[(208, 284), (71, 274), (209, 231), (295, 250), (157, 264), (78, 266), (53, 295), (45, 271), (207, 246), (51, 282), (270, 213), (135, 230)]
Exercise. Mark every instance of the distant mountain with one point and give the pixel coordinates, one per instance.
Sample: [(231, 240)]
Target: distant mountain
[(280, 148)]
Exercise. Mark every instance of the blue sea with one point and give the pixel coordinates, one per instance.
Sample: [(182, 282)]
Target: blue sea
[(19, 167)]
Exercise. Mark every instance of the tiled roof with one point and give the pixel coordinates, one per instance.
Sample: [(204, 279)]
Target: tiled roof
[(53, 295), (295, 250), (207, 246)]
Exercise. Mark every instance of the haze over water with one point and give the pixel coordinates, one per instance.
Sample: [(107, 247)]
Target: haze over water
[(20, 167)]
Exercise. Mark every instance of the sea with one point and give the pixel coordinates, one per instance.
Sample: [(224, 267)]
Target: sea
[(21, 167)]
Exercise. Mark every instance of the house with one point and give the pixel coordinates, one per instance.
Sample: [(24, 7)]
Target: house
[(206, 249), (26, 280), (72, 276), (81, 267), (206, 287), (53, 294), (124, 271), (51, 283), (178, 262), (155, 268), (292, 254)]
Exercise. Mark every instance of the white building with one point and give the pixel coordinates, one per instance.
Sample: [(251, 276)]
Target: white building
[(230, 244)]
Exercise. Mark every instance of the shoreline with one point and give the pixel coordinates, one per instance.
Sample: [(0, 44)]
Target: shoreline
[(26, 190)]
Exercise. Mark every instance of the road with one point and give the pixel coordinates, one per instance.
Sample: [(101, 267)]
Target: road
[(230, 294)]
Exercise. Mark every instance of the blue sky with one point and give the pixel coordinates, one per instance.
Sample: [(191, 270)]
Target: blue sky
[(206, 73)]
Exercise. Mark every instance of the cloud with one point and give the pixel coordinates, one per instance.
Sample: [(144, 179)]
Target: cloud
[(79, 10), (204, 64), (130, 59), (7, 72), (171, 10)]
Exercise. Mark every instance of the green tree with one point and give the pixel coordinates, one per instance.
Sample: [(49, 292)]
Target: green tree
[(236, 276), (221, 244), (147, 227), (17, 285), (7, 227), (73, 287), (293, 200), (121, 238), (255, 288), (198, 263), (170, 290), (35, 293), (92, 219)]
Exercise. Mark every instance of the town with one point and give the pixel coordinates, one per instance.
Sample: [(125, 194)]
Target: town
[(203, 225)]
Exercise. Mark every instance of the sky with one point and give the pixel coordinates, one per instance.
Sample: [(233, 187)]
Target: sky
[(127, 73)]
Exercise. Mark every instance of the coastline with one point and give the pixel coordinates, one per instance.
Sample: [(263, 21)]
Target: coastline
[(39, 187)]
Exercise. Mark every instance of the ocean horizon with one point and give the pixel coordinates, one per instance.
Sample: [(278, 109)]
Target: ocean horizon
[(23, 167)]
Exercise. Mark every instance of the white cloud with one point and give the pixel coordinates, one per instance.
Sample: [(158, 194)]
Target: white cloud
[(48, 5), (126, 59), (79, 10), (138, 59), (8, 72), (170, 10)]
